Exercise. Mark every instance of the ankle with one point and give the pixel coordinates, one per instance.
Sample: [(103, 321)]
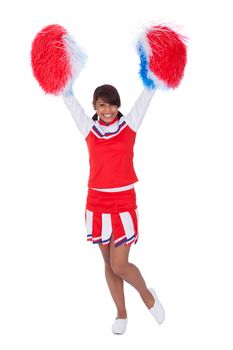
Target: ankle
[(121, 314), (148, 299)]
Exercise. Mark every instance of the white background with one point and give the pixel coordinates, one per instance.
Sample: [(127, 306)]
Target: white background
[(53, 292)]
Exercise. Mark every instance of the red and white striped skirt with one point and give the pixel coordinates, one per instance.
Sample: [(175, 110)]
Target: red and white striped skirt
[(111, 213)]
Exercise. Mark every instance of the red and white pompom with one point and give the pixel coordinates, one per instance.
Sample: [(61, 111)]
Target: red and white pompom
[(163, 57), (56, 59)]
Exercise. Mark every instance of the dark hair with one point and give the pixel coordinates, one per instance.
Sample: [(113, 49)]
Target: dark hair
[(108, 94)]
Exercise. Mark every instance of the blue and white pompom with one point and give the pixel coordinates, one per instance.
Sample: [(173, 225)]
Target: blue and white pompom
[(163, 56)]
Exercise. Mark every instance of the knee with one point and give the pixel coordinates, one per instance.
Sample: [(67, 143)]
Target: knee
[(107, 264), (119, 268)]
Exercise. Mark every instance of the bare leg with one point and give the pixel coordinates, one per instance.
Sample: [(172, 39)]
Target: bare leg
[(115, 283), (129, 272)]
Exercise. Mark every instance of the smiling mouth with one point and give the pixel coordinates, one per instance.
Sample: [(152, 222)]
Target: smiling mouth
[(107, 115)]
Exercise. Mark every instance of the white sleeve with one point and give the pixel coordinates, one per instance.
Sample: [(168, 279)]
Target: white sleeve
[(135, 117), (83, 122)]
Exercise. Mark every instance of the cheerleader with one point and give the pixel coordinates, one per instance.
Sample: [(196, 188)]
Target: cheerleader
[(111, 211)]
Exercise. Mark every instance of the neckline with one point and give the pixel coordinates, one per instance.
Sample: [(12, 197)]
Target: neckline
[(102, 122)]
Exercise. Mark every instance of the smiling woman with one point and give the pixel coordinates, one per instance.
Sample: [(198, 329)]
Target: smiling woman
[(111, 213), (111, 208)]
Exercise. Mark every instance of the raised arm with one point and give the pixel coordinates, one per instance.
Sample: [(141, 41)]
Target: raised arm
[(83, 122), (135, 117)]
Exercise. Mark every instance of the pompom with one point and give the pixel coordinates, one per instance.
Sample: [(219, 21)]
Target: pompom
[(163, 56), (56, 59)]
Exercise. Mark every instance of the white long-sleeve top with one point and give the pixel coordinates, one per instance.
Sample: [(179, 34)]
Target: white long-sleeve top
[(86, 124)]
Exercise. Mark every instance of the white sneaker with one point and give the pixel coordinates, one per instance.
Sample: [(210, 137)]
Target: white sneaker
[(119, 325), (157, 311)]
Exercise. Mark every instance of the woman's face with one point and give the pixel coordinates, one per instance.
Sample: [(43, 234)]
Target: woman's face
[(105, 111)]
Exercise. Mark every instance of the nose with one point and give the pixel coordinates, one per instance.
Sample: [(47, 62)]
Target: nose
[(108, 108)]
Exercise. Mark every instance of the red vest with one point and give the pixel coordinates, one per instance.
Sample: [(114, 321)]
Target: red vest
[(111, 159)]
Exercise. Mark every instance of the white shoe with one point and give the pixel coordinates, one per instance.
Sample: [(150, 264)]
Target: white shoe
[(119, 325), (157, 311)]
